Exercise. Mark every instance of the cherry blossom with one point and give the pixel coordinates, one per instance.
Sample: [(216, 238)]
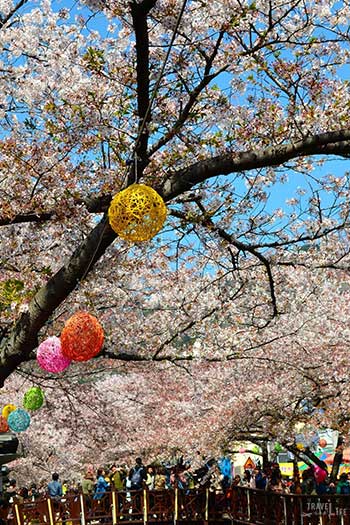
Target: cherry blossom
[(236, 314)]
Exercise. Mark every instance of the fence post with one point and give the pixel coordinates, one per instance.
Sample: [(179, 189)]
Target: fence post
[(285, 511), (248, 504), (18, 517), (114, 508), (293, 509), (145, 507), (206, 514), (49, 506), (82, 510), (176, 505)]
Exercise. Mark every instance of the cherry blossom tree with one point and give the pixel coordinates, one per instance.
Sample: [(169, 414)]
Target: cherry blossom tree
[(257, 384), (231, 111)]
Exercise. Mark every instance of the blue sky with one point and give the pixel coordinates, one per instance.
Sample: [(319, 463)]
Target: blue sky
[(279, 193)]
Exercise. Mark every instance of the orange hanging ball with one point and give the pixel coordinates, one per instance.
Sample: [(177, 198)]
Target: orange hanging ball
[(82, 337), (322, 443), (4, 426)]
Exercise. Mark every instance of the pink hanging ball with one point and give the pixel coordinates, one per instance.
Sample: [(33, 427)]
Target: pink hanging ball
[(49, 356)]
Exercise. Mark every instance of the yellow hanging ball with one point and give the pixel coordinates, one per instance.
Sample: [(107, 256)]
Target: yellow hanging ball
[(137, 213), (6, 411), (300, 446)]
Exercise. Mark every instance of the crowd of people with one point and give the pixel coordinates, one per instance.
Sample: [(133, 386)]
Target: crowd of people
[(119, 477), (212, 475), (313, 481)]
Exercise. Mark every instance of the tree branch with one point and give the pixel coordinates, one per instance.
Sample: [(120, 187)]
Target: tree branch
[(23, 338), (192, 99), (139, 13), (5, 19), (207, 222), (93, 204), (17, 347), (331, 143)]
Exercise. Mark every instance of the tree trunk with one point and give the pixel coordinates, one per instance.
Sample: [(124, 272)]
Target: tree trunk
[(338, 458), (296, 476), (265, 454), (315, 459)]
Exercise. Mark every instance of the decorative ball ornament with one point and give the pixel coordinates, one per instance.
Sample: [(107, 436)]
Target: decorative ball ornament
[(82, 337), (6, 411), (278, 448), (242, 450), (322, 443), (300, 446), (4, 426), (19, 420), (137, 213), (33, 398), (50, 357)]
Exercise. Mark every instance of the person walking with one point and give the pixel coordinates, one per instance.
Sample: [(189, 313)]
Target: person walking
[(117, 477), (54, 488), (102, 485), (137, 475), (87, 487)]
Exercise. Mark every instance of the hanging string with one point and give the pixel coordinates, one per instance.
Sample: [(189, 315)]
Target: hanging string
[(141, 129), (136, 173)]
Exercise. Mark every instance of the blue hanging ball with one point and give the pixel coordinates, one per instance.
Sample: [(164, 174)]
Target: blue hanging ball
[(19, 420)]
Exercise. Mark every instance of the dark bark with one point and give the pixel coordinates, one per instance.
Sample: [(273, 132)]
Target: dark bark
[(139, 13), (307, 456), (176, 183), (264, 453), (296, 476), (332, 143), (7, 18), (18, 345), (93, 205), (338, 459), (307, 452)]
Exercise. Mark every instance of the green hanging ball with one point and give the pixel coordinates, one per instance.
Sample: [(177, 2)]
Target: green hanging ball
[(278, 448), (256, 449), (33, 398)]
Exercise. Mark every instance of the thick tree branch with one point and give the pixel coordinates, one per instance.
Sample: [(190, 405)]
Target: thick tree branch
[(307, 456), (139, 13), (17, 347), (331, 143), (26, 217), (124, 356), (23, 338), (93, 205)]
